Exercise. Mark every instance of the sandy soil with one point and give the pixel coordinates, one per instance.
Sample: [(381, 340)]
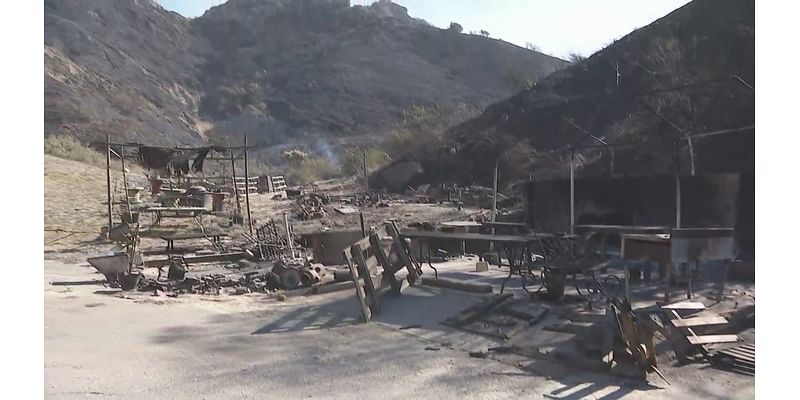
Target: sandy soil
[(101, 342)]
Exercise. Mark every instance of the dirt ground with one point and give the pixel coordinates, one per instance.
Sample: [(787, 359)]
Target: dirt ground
[(103, 343)]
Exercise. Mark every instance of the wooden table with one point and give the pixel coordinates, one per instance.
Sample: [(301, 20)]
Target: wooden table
[(175, 212)]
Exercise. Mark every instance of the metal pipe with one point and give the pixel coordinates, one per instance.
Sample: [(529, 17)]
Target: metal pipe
[(235, 187), (678, 200), (289, 240), (494, 204), (125, 184), (108, 181), (366, 178)]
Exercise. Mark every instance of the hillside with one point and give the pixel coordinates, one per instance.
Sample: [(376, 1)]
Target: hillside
[(620, 95), (279, 71)]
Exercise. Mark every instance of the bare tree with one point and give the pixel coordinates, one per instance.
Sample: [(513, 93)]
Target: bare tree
[(484, 33), (532, 47), (575, 57)]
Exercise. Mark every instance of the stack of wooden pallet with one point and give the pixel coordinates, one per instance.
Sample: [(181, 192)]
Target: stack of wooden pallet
[(740, 359), (685, 318)]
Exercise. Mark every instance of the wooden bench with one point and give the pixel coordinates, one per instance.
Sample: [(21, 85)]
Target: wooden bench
[(216, 237)]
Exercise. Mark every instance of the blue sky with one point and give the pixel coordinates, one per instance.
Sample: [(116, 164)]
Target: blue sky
[(557, 27)]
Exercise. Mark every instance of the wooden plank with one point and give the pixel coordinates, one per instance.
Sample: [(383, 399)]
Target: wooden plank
[(739, 354), (685, 305), (369, 286), (399, 246), (699, 321), (706, 339), (474, 312), (457, 285)]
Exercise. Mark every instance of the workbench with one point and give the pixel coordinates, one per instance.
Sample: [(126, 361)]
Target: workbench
[(216, 237), (680, 246), (511, 244), (175, 212)]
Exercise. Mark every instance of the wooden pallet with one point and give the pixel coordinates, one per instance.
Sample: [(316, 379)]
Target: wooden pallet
[(740, 359), (686, 324), (363, 258)]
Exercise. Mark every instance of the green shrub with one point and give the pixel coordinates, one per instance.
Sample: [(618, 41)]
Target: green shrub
[(352, 162), (69, 148), (310, 169)]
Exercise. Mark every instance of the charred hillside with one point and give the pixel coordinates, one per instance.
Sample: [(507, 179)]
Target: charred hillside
[(624, 94), (276, 70)]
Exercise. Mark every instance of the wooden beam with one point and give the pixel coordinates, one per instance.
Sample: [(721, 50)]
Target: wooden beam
[(685, 305), (457, 285)]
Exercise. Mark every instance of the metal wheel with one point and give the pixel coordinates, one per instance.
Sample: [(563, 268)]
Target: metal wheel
[(589, 289), (612, 286)]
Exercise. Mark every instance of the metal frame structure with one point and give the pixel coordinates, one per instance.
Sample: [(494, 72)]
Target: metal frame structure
[(232, 158)]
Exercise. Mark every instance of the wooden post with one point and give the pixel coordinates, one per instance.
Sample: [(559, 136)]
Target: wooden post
[(247, 188), (572, 191), (363, 229), (108, 181), (235, 188)]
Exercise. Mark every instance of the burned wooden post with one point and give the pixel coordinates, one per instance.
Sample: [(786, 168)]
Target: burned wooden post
[(247, 188)]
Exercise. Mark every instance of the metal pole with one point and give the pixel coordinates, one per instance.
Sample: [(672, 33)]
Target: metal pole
[(366, 179), (677, 186), (288, 234), (677, 200), (494, 192), (572, 191), (235, 188), (247, 188), (494, 204), (125, 184), (108, 180)]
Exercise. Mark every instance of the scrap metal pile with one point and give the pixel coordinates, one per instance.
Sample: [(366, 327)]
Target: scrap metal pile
[(263, 277), (312, 206)]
